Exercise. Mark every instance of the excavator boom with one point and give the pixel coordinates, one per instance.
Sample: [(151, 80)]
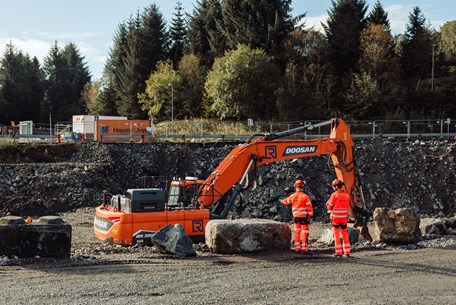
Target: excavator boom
[(244, 158)]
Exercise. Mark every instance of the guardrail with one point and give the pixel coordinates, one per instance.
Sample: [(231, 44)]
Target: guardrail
[(227, 138), (238, 131), (222, 138)]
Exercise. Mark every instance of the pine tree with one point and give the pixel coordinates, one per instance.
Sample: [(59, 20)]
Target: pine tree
[(77, 78), (55, 71), (114, 63), (129, 73), (139, 44), (66, 74), (204, 37), (258, 24), (416, 47), (343, 30), (177, 35), (21, 86), (378, 16)]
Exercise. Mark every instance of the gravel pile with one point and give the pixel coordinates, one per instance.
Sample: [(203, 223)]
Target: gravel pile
[(394, 174)]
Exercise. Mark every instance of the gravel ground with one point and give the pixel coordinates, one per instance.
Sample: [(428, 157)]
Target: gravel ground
[(395, 174), (376, 274)]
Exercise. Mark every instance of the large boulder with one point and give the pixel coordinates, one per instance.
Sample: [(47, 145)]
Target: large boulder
[(397, 226), (247, 236), (173, 240), (439, 226)]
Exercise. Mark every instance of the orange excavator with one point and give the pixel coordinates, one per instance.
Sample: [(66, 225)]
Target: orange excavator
[(134, 218)]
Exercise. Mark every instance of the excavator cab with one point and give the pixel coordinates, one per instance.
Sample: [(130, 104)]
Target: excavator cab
[(182, 193)]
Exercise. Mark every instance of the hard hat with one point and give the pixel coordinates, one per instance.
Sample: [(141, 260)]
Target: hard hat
[(337, 183), (299, 183)]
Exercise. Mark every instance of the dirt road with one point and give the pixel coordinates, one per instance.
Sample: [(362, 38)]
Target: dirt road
[(98, 274)]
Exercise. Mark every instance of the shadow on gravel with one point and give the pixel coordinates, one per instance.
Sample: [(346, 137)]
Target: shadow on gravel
[(404, 266)]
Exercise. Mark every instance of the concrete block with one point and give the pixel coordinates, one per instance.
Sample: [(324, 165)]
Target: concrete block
[(50, 236)]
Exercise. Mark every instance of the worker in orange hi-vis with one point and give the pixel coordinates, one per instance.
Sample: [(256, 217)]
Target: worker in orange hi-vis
[(302, 210), (339, 204)]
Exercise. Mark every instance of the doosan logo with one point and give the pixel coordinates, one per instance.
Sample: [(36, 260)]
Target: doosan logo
[(102, 224), (298, 150)]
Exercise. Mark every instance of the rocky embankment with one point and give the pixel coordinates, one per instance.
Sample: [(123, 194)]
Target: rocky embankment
[(47, 180)]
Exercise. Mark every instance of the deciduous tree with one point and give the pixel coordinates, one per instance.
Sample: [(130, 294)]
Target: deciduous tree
[(242, 84), (157, 98)]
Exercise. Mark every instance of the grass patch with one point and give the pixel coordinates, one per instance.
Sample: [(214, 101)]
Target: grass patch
[(15, 152)]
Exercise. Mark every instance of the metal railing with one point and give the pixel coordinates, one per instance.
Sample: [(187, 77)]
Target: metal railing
[(239, 131)]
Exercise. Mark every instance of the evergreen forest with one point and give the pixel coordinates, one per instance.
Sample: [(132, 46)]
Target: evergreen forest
[(239, 59)]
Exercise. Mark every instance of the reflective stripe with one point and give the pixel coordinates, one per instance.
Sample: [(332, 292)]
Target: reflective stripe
[(339, 213)]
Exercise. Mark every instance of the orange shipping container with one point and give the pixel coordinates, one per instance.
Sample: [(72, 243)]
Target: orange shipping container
[(125, 130)]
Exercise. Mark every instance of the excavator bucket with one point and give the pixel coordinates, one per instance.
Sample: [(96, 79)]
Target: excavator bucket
[(364, 231)]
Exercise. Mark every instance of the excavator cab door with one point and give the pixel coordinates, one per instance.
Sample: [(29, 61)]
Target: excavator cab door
[(174, 197), (182, 196)]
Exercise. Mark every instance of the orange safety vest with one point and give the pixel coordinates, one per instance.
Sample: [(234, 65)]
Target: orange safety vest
[(339, 205), (301, 206)]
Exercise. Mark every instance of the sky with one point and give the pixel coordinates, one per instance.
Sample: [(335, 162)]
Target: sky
[(33, 26)]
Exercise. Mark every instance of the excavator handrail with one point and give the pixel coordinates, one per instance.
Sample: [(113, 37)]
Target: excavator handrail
[(296, 130)]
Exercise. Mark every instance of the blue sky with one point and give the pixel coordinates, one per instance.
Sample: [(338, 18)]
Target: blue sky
[(34, 25)]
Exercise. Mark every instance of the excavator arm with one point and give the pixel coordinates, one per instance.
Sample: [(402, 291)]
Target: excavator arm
[(245, 158)]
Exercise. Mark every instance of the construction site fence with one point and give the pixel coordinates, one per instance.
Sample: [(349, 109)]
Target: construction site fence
[(240, 131)]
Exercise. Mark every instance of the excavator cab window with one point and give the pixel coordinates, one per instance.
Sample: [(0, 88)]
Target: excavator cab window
[(179, 196), (174, 196)]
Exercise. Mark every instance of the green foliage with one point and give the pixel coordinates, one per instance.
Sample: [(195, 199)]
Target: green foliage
[(66, 74), (448, 42), (417, 48), (178, 35), (343, 29), (364, 97), (258, 24), (380, 64), (158, 97), (139, 44), (21, 86), (308, 77), (204, 36), (378, 16), (242, 84), (193, 75), (98, 99), (262, 64)]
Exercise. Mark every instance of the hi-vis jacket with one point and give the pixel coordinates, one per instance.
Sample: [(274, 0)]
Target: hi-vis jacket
[(301, 206), (339, 204)]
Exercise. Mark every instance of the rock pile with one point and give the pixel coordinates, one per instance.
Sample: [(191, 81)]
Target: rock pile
[(394, 173)]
